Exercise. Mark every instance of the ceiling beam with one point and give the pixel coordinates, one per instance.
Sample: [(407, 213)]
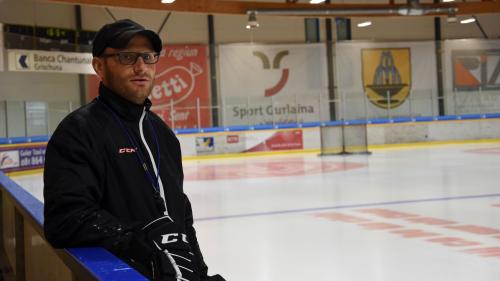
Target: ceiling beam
[(237, 7)]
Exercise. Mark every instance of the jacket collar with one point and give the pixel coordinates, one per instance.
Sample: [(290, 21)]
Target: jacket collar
[(124, 108)]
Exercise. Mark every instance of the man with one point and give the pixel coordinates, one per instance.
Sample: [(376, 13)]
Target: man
[(113, 173)]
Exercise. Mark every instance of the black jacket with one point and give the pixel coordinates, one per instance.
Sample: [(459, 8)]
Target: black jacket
[(95, 189)]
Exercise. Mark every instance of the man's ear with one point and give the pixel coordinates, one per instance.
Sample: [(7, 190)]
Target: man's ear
[(98, 66)]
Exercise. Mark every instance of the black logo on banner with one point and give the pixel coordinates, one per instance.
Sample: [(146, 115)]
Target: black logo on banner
[(476, 69)]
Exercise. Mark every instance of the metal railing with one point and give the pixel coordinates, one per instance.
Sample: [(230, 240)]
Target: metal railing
[(32, 118), (249, 111)]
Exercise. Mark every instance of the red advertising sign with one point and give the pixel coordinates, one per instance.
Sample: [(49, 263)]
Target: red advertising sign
[(182, 86), (282, 140), (180, 94), (233, 139)]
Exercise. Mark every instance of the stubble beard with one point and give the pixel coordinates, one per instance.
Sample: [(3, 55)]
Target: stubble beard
[(126, 89)]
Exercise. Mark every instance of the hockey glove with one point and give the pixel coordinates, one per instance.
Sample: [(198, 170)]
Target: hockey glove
[(173, 256)]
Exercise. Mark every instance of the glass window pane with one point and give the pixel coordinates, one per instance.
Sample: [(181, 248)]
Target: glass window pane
[(16, 119), (57, 112), (36, 113)]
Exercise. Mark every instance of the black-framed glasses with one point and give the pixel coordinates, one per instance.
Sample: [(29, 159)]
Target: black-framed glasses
[(130, 58)]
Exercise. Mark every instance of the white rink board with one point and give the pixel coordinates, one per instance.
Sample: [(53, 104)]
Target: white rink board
[(415, 132)]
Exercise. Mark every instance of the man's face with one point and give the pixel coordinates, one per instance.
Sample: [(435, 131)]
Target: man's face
[(132, 82)]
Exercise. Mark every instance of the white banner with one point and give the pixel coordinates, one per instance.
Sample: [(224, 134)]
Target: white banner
[(471, 71), (43, 61), (385, 79), (267, 84), (1, 48)]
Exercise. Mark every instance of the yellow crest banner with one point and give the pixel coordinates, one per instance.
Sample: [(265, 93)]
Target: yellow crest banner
[(386, 76)]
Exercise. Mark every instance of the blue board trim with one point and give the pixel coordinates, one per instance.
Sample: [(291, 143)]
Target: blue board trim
[(99, 262), (18, 140)]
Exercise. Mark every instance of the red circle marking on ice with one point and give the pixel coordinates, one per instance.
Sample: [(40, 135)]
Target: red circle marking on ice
[(282, 168), (493, 150)]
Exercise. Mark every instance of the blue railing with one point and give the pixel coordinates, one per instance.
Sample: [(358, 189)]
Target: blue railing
[(94, 263), (16, 140), (338, 123)]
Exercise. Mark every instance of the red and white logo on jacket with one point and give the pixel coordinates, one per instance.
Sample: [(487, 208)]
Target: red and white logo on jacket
[(126, 150)]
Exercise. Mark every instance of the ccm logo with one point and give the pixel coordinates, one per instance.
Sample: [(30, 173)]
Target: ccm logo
[(173, 237), (126, 150)]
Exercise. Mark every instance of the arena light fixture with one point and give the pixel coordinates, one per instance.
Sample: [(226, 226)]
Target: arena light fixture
[(468, 20), (316, 1), (446, 1), (252, 21), (167, 1), (364, 24), (412, 8)]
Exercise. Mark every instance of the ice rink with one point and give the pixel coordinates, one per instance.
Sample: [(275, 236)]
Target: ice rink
[(412, 214)]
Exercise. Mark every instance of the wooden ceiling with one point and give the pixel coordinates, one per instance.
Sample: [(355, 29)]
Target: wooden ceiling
[(241, 7)]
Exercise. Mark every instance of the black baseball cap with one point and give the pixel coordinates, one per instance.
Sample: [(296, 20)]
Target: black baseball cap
[(118, 34)]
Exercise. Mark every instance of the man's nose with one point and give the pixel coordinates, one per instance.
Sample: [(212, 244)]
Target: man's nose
[(139, 65)]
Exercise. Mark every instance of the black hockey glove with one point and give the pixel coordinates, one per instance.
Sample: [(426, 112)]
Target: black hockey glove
[(136, 249), (172, 257)]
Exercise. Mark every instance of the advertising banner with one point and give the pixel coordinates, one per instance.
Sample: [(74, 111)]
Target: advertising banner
[(471, 70), (220, 144), (44, 61), (9, 159), (21, 158), (268, 84), (205, 144), (389, 79), (181, 95), (250, 141), (280, 140), (181, 92)]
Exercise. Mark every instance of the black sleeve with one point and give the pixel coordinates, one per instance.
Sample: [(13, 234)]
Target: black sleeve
[(193, 241), (73, 178)]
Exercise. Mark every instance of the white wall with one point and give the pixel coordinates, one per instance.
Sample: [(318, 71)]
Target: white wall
[(489, 22), (231, 29), (394, 29), (31, 86), (422, 28), (192, 28), (180, 27)]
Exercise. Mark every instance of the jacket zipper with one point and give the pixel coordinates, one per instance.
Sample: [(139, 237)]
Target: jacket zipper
[(143, 139), (178, 274)]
